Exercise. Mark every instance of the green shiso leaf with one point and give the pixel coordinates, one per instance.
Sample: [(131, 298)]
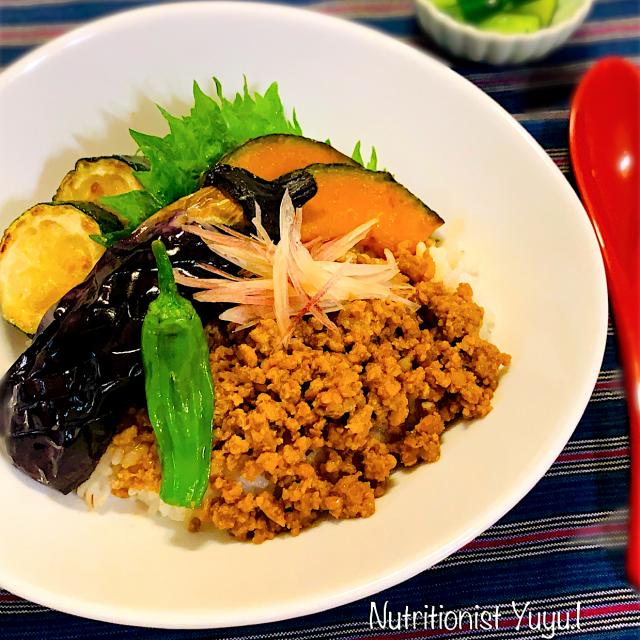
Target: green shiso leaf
[(373, 160), (195, 142), (356, 155), (134, 206)]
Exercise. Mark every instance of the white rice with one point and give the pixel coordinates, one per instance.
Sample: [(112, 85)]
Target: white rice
[(254, 486), (96, 490), (454, 265)]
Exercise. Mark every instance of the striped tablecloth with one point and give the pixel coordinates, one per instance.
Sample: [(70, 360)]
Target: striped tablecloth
[(562, 546)]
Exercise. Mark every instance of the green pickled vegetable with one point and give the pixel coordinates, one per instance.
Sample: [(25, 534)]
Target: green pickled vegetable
[(510, 23), (503, 16), (544, 10), (475, 10), (179, 389)]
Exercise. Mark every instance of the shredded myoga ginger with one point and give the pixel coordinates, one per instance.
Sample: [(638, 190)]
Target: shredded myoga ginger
[(289, 280), (316, 429)]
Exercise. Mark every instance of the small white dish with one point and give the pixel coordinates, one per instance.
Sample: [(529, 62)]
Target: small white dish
[(540, 269), (466, 41)]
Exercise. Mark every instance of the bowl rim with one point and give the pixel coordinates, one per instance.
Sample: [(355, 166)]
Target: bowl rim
[(437, 14), (323, 602)]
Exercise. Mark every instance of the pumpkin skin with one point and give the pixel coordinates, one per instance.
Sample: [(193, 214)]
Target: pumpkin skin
[(270, 157), (349, 196)]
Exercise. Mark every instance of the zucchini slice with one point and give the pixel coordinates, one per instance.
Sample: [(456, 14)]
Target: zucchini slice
[(272, 156), (106, 220), (44, 253), (93, 178), (349, 196)]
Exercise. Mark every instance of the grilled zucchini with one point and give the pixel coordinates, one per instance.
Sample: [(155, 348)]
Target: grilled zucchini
[(93, 178), (44, 253)]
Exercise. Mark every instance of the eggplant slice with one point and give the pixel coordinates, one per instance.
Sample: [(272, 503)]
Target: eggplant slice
[(62, 401), (249, 190)]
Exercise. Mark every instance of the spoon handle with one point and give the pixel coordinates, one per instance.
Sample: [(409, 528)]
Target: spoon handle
[(622, 262), (633, 548), (628, 319)]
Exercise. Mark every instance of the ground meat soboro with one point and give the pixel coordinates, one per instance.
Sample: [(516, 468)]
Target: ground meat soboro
[(318, 428)]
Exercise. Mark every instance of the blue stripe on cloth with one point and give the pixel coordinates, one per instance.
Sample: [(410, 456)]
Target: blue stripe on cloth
[(36, 13), (564, 542), (15, 12), (11, 54), (44, 12), (613, 9), (548, 132)]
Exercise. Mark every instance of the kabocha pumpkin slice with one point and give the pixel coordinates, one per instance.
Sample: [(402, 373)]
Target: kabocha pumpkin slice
[(44, 253), (272, 156), (93, 178), (348, 196)]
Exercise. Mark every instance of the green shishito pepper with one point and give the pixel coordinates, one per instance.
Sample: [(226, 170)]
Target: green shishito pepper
[(179, 389)]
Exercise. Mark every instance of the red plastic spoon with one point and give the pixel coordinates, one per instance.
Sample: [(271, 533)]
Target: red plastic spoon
[(604, 137)]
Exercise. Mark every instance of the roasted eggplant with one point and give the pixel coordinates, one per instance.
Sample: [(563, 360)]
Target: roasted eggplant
[(63, 399), (249, 190)]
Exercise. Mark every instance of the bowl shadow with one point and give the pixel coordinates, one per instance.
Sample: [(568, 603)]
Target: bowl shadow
[(112, 139)]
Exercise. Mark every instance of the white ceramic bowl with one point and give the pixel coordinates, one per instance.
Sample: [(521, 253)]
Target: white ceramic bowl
[(541, 271), (467, 41)]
